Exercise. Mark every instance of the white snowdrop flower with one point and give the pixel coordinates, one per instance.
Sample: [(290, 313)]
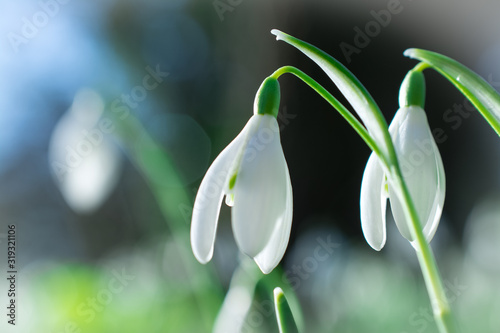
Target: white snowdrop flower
[(85, 163), (422, 170), (253, 175)]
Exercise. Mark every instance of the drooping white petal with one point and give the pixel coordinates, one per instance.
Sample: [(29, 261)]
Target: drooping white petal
[(394, 127), (261, 187), (422, 170), (437, 208), (373, 203), (273, 252), (209, 198)]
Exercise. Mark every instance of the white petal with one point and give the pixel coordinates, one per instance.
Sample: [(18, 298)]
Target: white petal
[(373, 203), (260, 189), (272, 254), (437, 208), (422, 170), (396, 209), (209, 198)]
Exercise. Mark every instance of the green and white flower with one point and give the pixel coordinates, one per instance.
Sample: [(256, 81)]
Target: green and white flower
[(253, 176), (421, 166)]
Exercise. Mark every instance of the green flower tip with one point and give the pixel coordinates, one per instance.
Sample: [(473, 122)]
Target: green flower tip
[(412, 91), (267, 100)]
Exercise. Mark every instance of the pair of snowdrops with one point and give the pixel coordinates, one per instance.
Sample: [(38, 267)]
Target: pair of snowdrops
[(252, 174)]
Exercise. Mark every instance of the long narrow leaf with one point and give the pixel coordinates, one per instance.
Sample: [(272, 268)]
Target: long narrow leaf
[(479, 92), (357, 95)]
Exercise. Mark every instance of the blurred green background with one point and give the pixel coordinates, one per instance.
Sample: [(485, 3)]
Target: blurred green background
[(111, 112)]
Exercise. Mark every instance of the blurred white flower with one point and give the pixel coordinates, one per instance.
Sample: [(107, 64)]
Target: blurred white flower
[(253, 175), (423, 173), (85, 163)]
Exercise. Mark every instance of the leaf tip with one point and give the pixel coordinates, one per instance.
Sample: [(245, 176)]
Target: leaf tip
[(278, 294), (278, 34), (410, 53)]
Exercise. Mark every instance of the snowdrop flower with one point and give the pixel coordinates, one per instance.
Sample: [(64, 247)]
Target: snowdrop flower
[(253, 176), (421, 166), (85, 163)]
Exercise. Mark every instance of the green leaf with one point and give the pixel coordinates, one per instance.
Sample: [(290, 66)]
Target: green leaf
[(286, 322), (479, 92), (349, 86)]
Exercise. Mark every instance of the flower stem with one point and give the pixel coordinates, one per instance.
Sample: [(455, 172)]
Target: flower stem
[(441, 308), (148, 157), (439, 302), (353, 121)]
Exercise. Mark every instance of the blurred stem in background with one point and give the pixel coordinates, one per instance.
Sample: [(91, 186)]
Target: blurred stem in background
[(248, 305), (156, 167)]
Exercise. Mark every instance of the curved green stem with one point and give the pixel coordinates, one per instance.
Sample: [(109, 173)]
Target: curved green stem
[(357, 95), (353, 121), (421, 66)]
